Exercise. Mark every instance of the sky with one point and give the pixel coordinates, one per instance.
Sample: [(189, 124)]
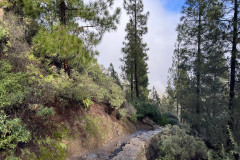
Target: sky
[(161, 38)]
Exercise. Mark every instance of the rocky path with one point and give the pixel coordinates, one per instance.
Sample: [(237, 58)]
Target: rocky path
[(141, 145)]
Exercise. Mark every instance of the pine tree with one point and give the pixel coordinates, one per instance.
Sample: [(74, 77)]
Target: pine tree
[(114, 75), (199, 71), (155, 97), (70, 29), (190, 52), (215, 77), (135, 56), (232, 19)]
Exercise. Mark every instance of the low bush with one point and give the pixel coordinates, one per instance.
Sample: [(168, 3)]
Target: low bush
[(51, 149), (12, 85), (176, 143), (147, 109), (45, 112), (171, 118), (134, 117), (12, 132), (87, 86)]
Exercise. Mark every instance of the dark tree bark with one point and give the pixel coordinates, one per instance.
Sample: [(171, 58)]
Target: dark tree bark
[(136, 54), (66, 68), (233, 66), (199, 59), (63, 22), (131, 86), (198, 68), (63, 9)]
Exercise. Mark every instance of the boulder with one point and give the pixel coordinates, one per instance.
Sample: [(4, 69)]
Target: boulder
[(142, 147), (54, 69), (155, 127), (126, 110), (148, 121)]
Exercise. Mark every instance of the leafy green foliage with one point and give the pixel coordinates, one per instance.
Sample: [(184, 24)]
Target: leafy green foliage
[(92, 84), (114, 75), (197, 89), (122, 112), (171, 118), (87, 103), (155, 99), (12, 85), (134, 117), (26, 154), (176, 143), (3, 35), (26, 81), (168, 102), (12, 132), (3, 32), (95, 14), (147, 109), (58, 43), (233, 154), (61, 37), (51, 149), (45, 112)]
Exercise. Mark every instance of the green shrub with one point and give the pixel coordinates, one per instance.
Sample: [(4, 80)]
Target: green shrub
[(134, 117), (51, 149), (171, 118), (12, 132), (42, 90), (176, 143), (122, 113), (45, 112), (172, 121), (87, 103), (87, 86), (3, 39), (147, 109), (12, 85), (163, 121), (56, 42), (110, 91), (77, 89), (3, 32)]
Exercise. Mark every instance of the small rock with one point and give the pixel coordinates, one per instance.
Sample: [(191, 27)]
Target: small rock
[(148, 121)]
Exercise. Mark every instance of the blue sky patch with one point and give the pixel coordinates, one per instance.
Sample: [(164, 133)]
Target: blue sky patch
[(173, 5)]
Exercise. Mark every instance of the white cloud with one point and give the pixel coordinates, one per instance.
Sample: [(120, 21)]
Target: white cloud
[(160, 39)]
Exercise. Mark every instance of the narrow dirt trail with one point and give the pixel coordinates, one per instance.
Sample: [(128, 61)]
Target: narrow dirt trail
[(130, 143), (109, 149)]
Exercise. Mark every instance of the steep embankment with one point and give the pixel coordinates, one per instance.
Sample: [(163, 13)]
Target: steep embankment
[(141, 145), (87, 131)]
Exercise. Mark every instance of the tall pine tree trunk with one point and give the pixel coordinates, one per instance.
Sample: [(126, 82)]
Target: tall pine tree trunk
[(233, 66), (199, 64), (136, 54), (177, 109), (198, 69), (136, 77), (63, 22), (63, 9), (131, 85)]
